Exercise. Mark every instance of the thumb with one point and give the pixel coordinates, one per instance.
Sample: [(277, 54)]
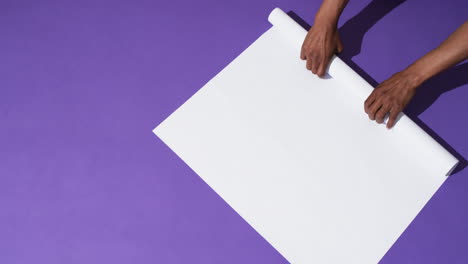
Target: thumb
[(339, 44)]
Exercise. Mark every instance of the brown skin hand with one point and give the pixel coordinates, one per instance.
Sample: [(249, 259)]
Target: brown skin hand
[(321, 43), (323, 40), (391, 96)]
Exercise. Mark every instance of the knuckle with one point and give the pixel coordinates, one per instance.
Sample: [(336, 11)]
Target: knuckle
[(379, 117)]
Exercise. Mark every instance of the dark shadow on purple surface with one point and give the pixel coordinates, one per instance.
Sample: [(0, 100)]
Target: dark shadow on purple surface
[(352, 34), (429, 92), (433, 88)]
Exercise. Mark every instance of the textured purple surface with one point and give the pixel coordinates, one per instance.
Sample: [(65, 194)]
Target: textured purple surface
[(84, 180)]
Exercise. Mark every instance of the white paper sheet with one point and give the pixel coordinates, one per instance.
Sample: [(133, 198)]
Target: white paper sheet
[(297, 157)]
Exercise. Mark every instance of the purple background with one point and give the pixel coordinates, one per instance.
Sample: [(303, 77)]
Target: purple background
[(84, 180)]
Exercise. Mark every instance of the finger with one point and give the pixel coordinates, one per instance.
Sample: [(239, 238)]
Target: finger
[(340, 46), (323, 66), (373, 109), (369, 101), (305, 44), (381, 113), (315, 64), (309, 63), (393, 117), (303, 56), (321, 70)]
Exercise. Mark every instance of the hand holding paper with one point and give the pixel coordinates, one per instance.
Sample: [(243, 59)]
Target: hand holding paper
[(391, 96), (323, 40)]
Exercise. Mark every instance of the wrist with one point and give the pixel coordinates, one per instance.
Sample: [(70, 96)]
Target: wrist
[(326, 20), (421, 70), (329, 13), (414, 77)]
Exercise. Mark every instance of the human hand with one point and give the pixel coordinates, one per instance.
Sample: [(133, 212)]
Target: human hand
[(321, 42), (391, 97)]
